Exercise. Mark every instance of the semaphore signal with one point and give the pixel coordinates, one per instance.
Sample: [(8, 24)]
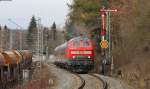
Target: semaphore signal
[(106, 36), (103, 13)]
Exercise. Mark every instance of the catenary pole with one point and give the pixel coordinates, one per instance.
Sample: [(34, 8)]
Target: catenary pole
[(20, 27)]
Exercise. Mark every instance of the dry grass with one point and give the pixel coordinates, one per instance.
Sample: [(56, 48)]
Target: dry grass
[(41, 80), (131, 35)]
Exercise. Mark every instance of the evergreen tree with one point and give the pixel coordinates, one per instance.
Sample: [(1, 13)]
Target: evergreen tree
[(32, 33), (32, 25), (53, 31), (0, 28), (6, 34), (70, 31), (5, 27), (54, 26)]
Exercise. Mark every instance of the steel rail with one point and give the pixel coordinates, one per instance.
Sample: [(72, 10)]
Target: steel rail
[(82, 80), (105, 85), (61, 65)]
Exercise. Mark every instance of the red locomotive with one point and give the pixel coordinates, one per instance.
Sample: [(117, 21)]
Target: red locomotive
[(79, 53)]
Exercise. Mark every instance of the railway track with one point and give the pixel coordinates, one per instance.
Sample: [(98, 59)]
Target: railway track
[(92, 81), (105, 85), (60, 65), (84, 80)]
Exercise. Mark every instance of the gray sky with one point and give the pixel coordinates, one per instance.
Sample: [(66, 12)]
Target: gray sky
[(21, 12)]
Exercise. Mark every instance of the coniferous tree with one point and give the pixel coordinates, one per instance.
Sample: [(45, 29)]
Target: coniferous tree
[(53, 31), (5, 27), (0, 28), (6, 37), (70, 31), (32, 33)]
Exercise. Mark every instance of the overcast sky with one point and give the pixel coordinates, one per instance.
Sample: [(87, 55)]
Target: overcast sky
[(21, 11)]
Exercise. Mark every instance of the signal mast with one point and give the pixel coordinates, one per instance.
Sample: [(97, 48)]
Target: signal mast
[(104, 13), (106, 36)]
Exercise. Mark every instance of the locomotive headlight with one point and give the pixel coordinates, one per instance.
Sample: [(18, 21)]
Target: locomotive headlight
[(87, 52), (74, 57), (89, 57)]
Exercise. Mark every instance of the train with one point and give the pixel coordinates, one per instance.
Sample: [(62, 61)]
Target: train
[(12, 64), (79, 54)]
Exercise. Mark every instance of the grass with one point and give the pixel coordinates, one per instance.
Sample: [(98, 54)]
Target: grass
[(41, 79)]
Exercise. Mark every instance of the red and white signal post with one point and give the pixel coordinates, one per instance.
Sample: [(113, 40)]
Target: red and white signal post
[(103, 13), (105, 32)]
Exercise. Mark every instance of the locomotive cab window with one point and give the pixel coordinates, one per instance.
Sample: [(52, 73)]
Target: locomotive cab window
[(86, 43), (80, 42)]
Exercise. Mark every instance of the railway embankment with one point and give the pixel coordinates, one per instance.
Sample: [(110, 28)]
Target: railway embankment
[(113, 83), (64, 79), (67, 80), (52, 77), (40, 79)]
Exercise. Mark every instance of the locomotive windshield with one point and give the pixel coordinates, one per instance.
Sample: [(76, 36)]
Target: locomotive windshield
[(80, 41)]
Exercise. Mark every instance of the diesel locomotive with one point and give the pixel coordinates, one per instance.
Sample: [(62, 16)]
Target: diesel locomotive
[(79, 54)]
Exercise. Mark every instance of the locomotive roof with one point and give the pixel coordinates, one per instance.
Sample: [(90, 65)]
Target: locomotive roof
[(62, 47)]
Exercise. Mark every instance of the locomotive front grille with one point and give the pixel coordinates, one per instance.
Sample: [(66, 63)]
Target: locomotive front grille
[(81, 57)]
